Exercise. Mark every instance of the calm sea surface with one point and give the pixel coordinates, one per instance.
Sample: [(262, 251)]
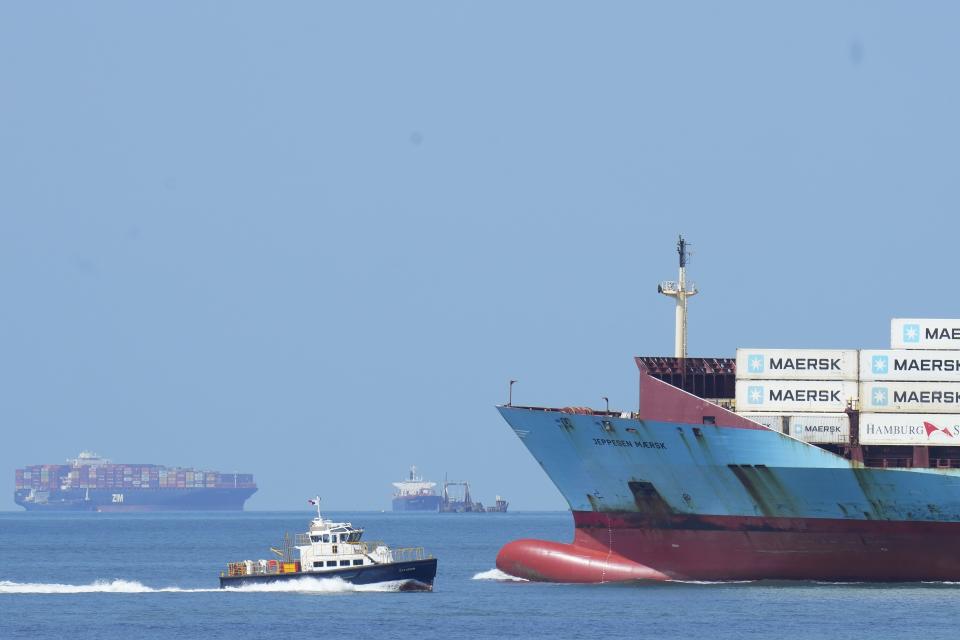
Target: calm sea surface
[(155, 576)]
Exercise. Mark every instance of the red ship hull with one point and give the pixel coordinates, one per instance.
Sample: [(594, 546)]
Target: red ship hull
[(618, 547)]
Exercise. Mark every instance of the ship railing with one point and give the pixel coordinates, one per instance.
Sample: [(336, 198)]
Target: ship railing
[(368, 547), (405, 554)]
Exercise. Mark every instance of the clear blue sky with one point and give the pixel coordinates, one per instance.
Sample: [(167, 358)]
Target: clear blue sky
[(314, 240)]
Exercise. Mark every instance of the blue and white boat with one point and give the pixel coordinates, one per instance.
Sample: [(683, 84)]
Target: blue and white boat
[(335, 550)]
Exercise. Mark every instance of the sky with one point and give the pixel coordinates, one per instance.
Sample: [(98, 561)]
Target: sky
[(313, 241)]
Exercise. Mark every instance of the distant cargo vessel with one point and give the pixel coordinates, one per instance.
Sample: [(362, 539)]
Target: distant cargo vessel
[(416, 494), (92, 483), (456, 499), (841, 465)]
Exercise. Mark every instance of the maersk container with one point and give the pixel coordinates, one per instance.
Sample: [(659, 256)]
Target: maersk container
[(797, 364), (910, 397), (775, 421), (924, 333), (910, 365), (821, 428), (795, 396), (925, 429)]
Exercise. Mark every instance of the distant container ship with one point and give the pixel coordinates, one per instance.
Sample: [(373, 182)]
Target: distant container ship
[(415, 494), (92, 483)]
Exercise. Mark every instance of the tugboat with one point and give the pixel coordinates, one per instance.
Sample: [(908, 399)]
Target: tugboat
[(334, 550)]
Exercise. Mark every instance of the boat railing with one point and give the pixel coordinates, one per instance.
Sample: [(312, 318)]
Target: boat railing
[(405, 554)]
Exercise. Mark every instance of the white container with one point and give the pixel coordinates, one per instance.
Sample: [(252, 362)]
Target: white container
[(910, 397), (797, 364), (794, 396), (775, 421), (910, 365), (821, 428), (924, 333), (910, 429)]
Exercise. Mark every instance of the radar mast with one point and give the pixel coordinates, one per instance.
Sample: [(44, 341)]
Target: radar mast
[(680, 291)]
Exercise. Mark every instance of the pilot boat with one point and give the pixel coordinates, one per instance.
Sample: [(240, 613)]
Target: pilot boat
[(335, 550)]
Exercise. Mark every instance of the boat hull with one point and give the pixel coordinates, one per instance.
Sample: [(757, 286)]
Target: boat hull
[(726, 499), (140, 499), (415, 575)]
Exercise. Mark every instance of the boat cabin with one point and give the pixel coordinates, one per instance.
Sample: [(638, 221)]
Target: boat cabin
[(332, 545)]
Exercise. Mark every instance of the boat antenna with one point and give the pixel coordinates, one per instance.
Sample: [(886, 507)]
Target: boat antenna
[(316, 502), (680, 290)]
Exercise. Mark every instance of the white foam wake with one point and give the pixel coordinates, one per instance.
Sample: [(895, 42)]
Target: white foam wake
[(496, 574), (303, 585), (100, 586)]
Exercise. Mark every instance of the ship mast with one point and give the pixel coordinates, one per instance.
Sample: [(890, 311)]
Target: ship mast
[(680, 291)]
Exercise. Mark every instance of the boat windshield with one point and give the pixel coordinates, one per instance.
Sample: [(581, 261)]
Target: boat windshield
[(353, 536)]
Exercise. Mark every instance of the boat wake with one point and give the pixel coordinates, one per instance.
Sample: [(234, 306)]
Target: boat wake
[(304, 585), (496, 574)]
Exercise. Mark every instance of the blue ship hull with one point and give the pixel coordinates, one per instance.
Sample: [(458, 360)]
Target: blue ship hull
[(416, 575), (126, 499), (417, 503), (691, 491)]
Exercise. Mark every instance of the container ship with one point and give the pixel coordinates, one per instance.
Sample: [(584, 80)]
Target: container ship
[(92, 483), (795, 464)]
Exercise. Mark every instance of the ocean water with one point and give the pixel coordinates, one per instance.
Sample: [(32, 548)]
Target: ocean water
[(149, 576)]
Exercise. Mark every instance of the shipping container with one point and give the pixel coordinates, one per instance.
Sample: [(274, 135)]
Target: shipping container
[(910, 397), (821, 428), (775, 421), (910, 365), (938, 430), (924, 333), (797, 364), (795, 396)]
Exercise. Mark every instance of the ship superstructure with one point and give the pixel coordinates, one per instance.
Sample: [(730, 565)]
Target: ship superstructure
[(844, 465), (90, 482)]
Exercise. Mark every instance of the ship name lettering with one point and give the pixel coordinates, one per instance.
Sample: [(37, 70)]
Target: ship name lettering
[(933, 364), (806, 364), (640, 444), (927, 397), (804, 395), (942, 333)]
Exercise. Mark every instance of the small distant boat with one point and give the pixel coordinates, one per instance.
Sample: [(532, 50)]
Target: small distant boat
[(334, 550)]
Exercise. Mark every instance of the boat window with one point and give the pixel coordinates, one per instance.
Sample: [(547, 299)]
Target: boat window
[(326, 537), (331, 563), (344, 563), (315, 538), (357, 562), (317, 563)]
